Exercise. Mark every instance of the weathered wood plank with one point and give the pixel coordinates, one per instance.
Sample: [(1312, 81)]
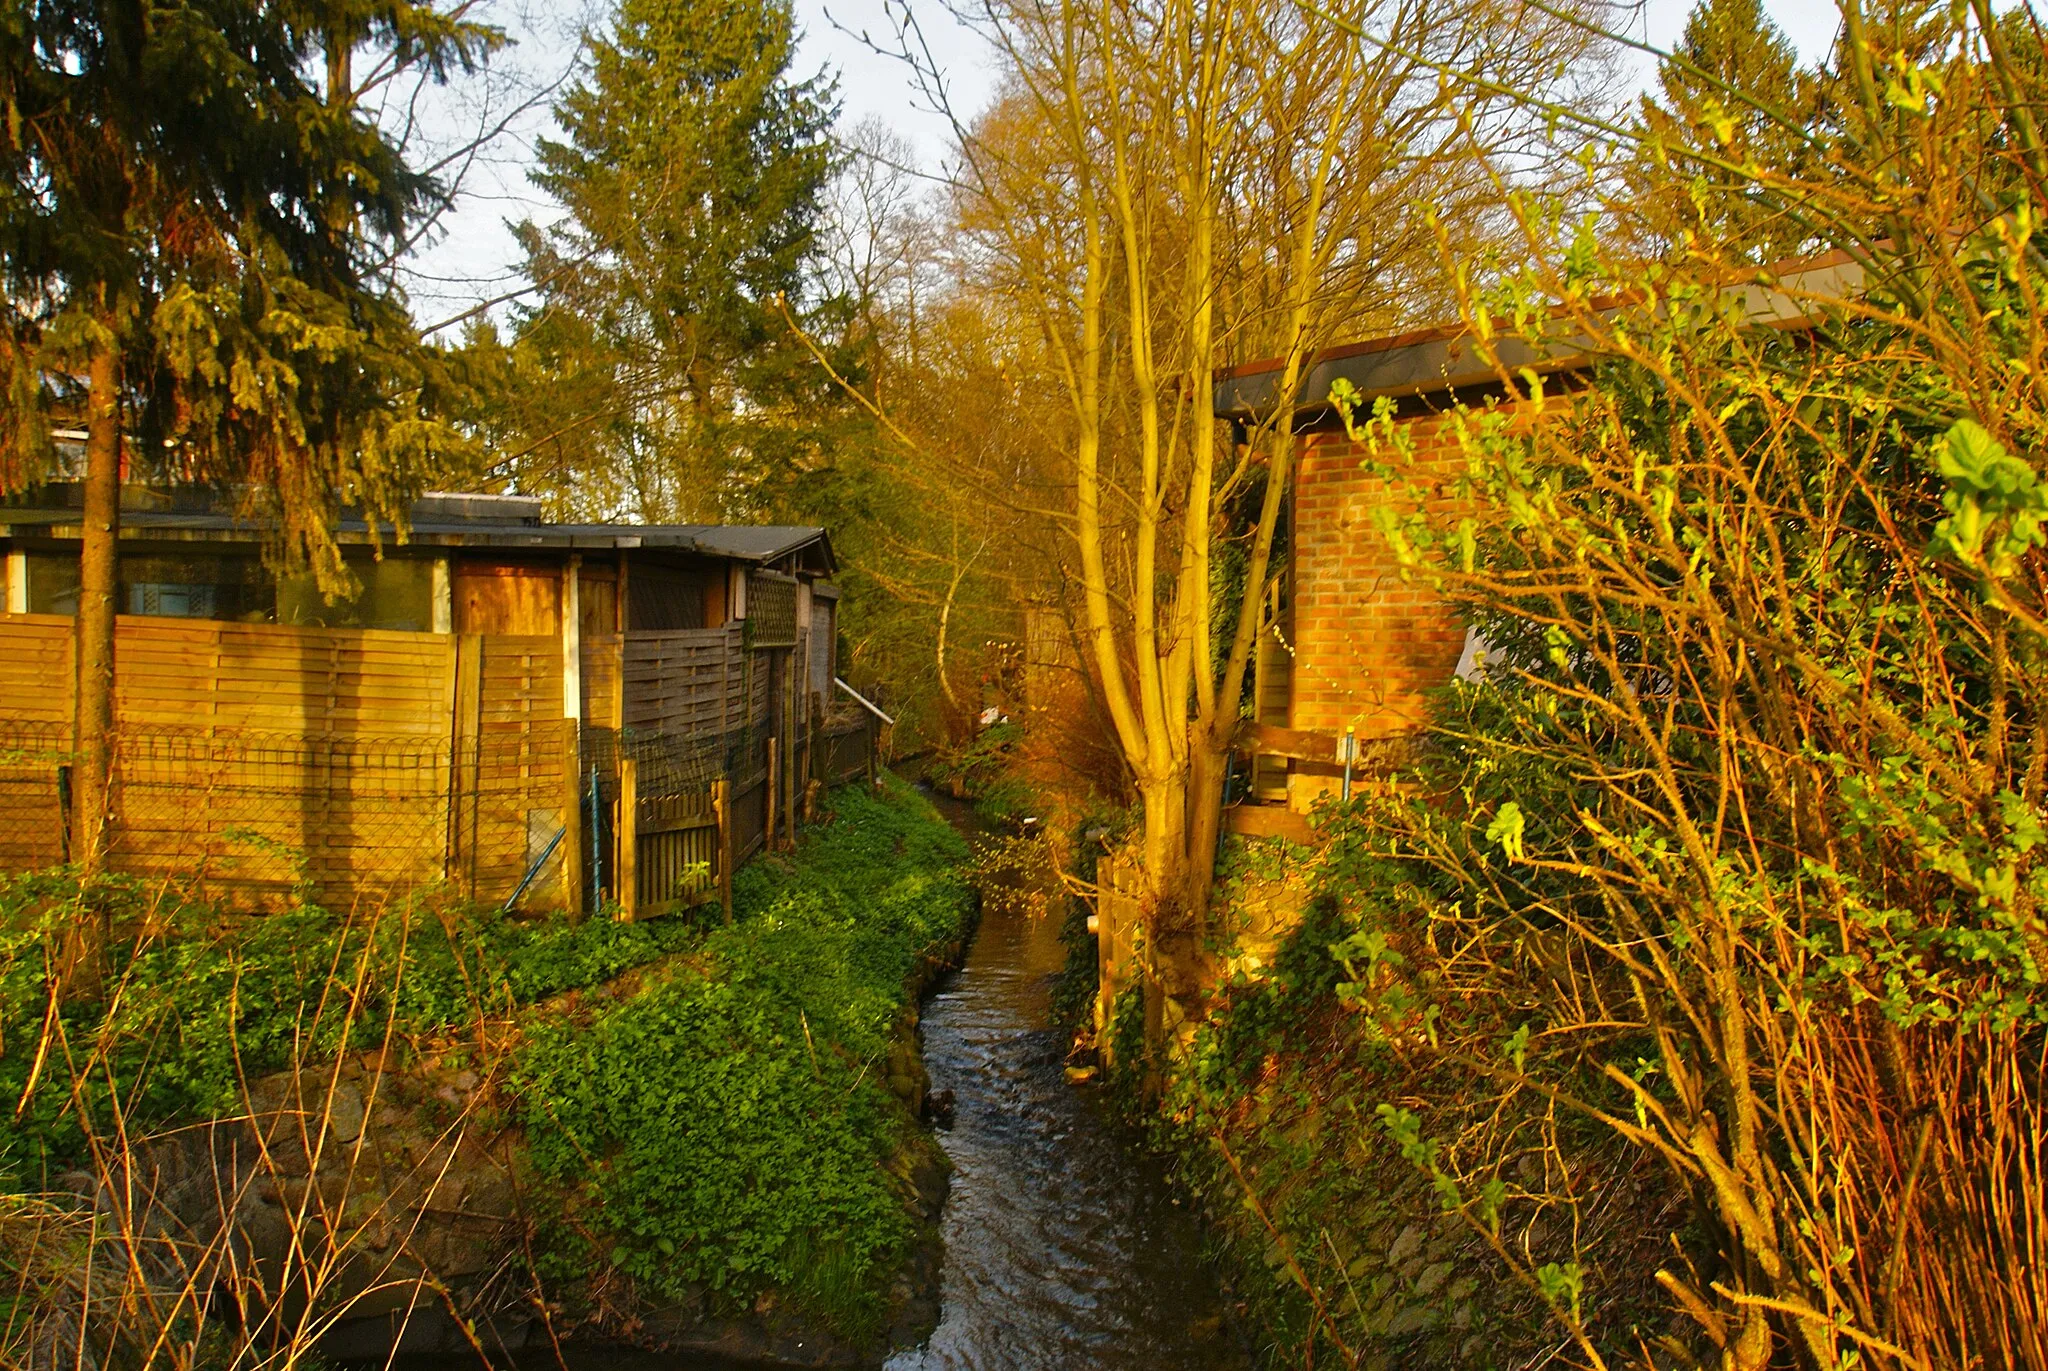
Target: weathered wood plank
[(1301, 744), (1269, 821)]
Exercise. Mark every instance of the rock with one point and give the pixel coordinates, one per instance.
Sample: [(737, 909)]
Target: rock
[(938, 1107), (345, 1112)]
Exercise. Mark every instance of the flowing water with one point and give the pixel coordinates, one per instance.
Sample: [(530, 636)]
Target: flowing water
[(1064, 1249)]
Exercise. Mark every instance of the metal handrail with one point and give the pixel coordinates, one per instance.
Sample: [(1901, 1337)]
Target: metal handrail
[(865, 702)]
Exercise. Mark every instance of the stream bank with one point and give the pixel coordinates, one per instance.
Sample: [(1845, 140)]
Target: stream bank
[(341, 1133)]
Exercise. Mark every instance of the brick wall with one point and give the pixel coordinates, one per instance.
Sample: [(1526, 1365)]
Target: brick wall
[(1368, 645)]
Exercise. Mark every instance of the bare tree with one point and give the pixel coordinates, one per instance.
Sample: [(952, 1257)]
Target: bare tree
[(1165, 188)]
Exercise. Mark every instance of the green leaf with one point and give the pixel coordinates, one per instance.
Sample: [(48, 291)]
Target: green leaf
[(1506, 830)]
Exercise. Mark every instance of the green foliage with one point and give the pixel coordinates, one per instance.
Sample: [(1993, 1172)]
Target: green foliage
[(194, 1006), (726, 1126), (1738, 846), (182, 198), (1992, 496), (982, 770), (1359, 1159), (728, 1130)]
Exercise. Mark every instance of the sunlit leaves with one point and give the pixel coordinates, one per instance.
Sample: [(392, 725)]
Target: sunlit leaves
[(1995, 501)]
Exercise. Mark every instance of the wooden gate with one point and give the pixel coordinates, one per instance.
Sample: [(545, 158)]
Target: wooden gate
[(674, 846)]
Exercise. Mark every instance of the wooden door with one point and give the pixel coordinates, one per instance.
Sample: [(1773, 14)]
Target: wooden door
[(519, 598)]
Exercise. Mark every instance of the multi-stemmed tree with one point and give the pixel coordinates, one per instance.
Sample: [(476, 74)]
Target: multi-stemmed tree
[(1163, 190)]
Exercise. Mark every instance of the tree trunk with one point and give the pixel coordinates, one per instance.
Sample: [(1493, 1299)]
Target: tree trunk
[(1207, 764), (95, 626), (91, 781), (945, 620)]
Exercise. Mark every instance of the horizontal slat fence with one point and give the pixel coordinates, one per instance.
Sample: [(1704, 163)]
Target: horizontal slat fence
[(693, 683), (255, 761), (846, 752), (258, 764)]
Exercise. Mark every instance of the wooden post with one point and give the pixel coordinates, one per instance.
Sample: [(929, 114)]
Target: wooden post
[(629, 838), (572, 728), (768, 819), (465, 739), (1105, 956), (572, 819), (789, 796), (721, 809)]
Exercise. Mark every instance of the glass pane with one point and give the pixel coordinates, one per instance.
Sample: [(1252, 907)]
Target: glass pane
[(185, 585), (397, 593), (52, 583), (195, 585)]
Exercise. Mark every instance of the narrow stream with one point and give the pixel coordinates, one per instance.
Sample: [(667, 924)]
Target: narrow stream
[(1064, 1248)]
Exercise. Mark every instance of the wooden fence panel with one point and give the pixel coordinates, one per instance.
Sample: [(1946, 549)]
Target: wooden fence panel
[(521, 757), (749, 806), (603, 672), (756, 686), (679, 682), (35, 668), (250, 758), (253, 758), (35, 736), (256, 759), (301, 682), (845, 752), (674, 833)]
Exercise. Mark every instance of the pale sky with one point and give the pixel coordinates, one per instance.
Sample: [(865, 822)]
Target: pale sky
[(476, 259)]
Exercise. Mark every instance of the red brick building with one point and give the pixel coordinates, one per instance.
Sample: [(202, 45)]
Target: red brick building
[(1350, 645)]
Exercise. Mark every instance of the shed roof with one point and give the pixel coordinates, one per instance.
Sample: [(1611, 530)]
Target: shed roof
[(1442, 359), (503, 523)]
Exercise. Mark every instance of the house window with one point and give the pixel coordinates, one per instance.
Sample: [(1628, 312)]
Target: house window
[(172, 600), (234, 585), (396, 593), (180, 585), (662, 599)]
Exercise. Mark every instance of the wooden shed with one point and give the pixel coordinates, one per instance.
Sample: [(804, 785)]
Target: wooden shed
[(586, 711)]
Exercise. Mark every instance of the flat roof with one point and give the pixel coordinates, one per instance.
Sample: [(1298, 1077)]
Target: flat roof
[(756, 543), (1448, 358)]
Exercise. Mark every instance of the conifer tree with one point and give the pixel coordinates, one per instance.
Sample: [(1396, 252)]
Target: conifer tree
[(190, 228), (1733, 84), (693, 173)]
